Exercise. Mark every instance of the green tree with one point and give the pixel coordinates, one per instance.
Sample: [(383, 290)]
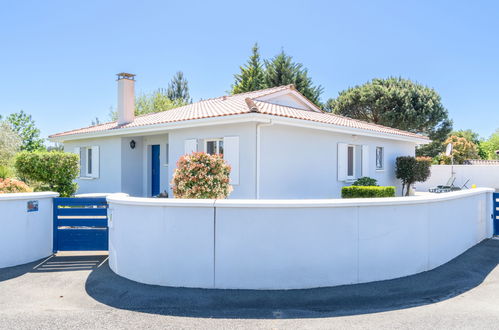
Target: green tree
[(251, 77), (10, 144), (491, 145), (398, 103), (412, 169), (178, 89), (282, 70), (24, 125), (462, 149)]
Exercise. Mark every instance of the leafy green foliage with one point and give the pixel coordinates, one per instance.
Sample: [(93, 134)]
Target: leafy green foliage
[(151, 103), (398, 103), (367, 191), (10, 144), (491, 145), (201, 175), (277, 71), (411, 169), (251, 77), (55, 170), (24, 125), (472, 137), (178, 89), (5, 172), (365, 181), (282, 70)]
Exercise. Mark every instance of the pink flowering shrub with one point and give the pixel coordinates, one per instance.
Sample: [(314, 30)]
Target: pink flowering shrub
[(200, 175), (13, 186)]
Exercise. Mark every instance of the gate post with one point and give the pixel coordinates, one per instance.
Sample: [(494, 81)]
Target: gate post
[(54, 224), (495, 213)]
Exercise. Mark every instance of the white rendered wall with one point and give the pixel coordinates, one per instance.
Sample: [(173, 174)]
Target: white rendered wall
[(290, 244), (481, 175), (109, 180), (25, 236), (132, 166), (164, 182), (302, 163), (247, 148)]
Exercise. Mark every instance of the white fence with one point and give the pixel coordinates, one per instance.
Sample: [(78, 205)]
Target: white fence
[(25, 227), (284, 244), (480, 175)]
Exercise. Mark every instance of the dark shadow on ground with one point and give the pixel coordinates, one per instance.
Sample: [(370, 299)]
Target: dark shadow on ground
[(457, 276), (9, 273)]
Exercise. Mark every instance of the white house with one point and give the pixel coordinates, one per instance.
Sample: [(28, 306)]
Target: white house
[(279, 144)]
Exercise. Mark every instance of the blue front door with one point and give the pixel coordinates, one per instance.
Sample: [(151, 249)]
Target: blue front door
[(155, 169)]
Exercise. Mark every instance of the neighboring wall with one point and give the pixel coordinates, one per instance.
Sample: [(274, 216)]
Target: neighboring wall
[(302, 163), (289, 244), (109, 180), (481, 175), (247, 147), (25, 236)]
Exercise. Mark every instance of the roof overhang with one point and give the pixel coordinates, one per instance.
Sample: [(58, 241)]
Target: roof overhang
[(235, 119)]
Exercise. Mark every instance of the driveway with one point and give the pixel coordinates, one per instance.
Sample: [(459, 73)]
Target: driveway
[(81, 292)]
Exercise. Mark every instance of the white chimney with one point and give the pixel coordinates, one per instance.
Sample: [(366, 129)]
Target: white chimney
[(126, 98)]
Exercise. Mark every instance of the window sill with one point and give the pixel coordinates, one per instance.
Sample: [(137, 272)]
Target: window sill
[(380, 170), (86, 178)]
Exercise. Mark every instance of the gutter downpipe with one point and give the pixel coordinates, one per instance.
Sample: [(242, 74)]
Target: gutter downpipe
[(258, 158)]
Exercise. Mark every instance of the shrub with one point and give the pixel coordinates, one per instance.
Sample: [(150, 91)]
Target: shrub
[(365, 181), (367, 191), (200, 175), (410, 170), (13, 186), (55, 170), (5, 172)]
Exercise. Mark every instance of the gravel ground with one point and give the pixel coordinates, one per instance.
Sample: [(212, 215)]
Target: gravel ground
[(81, 292)]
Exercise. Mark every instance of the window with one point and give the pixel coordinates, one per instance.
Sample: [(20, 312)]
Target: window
[(379, 158), (214, 146), (351, 162), (89, 162)]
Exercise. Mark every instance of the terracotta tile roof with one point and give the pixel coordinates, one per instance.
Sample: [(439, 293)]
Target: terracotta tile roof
[(238, 104)]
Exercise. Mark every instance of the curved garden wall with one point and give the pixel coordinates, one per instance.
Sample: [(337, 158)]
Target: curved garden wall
[(285, 244), (25, 236)]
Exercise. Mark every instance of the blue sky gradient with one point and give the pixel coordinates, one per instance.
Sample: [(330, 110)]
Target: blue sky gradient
[(59, 58)]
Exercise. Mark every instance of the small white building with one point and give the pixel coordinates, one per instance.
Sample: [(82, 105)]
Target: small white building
[(279, 144)]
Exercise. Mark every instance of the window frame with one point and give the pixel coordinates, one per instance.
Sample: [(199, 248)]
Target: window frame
[(88, 161), (217, 145), (382, 158)]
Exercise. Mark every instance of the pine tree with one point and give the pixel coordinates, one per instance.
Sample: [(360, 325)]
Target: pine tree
[(251, 77), (178, 89), (281, 70)]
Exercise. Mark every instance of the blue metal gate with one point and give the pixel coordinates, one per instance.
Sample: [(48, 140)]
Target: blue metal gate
[(495, 204), (80, 224)]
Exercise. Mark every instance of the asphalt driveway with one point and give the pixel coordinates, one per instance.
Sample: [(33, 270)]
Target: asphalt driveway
[(74, 291)]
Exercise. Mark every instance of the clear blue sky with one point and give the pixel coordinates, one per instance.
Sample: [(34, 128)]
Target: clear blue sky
[(58, 58)]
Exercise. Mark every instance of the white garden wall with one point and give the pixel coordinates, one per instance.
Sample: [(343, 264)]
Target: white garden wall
[(481, 175), (25, 236), (284, 244)]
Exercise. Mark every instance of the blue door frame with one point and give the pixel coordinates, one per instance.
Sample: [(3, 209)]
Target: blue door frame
[(495, 205), (80, 224), (155, 169)]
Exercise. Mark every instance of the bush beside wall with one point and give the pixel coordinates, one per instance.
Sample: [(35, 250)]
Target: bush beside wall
[(367, 192), (55, 170)]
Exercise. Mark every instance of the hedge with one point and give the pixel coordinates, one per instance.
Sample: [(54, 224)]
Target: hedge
[(55, 170), (367, 192)]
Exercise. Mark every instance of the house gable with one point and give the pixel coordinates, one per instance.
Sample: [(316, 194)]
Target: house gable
[(289, 98)]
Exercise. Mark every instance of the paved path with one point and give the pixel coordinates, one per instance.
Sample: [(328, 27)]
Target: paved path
[(81, 292)]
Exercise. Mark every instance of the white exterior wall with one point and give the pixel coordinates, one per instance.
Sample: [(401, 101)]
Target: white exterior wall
[(481, 175), (109, 180), (290, 244), (247, 148), (132, 166), (25, 236), (302, 163)]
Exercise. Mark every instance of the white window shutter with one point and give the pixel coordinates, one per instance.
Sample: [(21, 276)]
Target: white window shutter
[(231, 156), (95, 161), (190, 146), (342, 161), (365, 160)]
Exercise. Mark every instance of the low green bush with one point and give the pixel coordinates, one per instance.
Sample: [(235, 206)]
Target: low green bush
[(367, 191), (54, 170), (365, 181)]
